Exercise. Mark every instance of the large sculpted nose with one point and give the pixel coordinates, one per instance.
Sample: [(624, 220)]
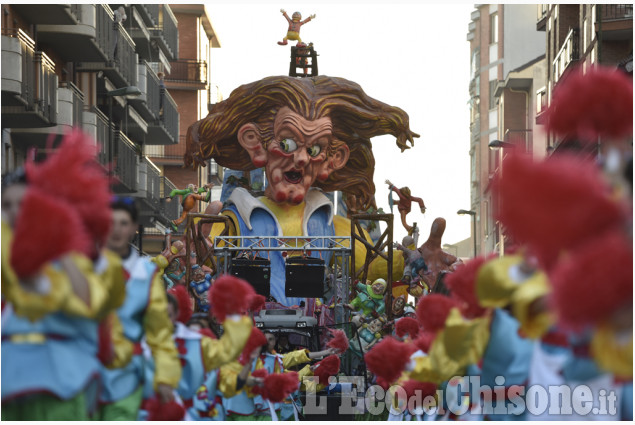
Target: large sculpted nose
[(301, 158)]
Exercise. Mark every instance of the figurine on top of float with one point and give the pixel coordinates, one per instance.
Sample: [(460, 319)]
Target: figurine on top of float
[(309, 134), (295, 23)]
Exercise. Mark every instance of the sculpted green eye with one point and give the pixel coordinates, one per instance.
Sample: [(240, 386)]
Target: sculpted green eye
[(288, 145), (314, 150)]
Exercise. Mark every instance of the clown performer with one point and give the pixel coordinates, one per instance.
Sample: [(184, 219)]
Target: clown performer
[(52, 299), (143, 314), (295, 23), (201, 355), (309, 134), (279, 363), (189, 196)]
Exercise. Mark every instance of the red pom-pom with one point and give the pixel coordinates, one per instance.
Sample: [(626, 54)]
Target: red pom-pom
[(207, 332), (259, 389), (412, 388), (596, 104), (462, 284), (433, 309), (407, 325), (257, 303), (256, 339), (388, 359), (555, 204), (184, 301), (326, 368), (339, 340), (424, 340), (593, 282), (230, 295), (278, 386), (72, 174), (158, 411), (46, 229)]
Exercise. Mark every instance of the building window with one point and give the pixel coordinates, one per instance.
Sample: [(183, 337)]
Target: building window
[(493, 28), (492, 90)]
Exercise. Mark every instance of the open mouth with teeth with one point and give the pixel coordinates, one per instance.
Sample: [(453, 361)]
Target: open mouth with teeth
[(293, 177)]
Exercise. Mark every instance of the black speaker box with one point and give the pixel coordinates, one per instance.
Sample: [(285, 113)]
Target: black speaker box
[(304, 277), (256, 271)]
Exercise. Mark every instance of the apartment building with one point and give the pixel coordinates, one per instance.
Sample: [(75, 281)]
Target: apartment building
[(508, 66), (583, 35), (96, 67)]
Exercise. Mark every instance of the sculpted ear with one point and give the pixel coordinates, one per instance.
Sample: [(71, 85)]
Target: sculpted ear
[(335, 162), (249, 138)]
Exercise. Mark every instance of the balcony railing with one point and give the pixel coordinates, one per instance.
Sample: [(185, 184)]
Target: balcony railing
[(103, 146), (27, 46), (115, 42), (612, 12), (153, 91), (188, 71), (125, 158), (78, 102), (171, 209), (569, 52), (166, 30), (153, 185), (170, 115)]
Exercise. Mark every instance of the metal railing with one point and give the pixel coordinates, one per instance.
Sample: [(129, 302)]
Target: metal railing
[(616, 12), (154, 184), (45, 86), (115, 42), (167, 29), (78, 103), (171, 209), (103, 146), (170, 115), (542, 10), (27, 52), (188, 70), (153, 91), (125, 157), (569, 52)]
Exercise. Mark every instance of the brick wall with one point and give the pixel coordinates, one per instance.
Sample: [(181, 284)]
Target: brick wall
[(188, 35)]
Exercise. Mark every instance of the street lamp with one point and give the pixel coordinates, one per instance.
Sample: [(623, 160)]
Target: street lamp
[(473, 214), (128, 92), (497, 144)]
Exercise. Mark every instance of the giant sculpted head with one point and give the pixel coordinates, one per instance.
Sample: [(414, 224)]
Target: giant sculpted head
[(304, 131)]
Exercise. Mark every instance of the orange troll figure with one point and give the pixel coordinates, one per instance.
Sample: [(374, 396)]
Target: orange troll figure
[(189, 196), (308, 134), (295, 23), (405, 203)]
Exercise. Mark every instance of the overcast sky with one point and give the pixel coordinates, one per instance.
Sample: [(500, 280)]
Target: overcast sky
[(414, 56)]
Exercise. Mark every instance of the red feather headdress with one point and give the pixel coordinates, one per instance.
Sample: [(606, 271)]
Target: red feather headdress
[(184, 301), (388, 359), (433, 310), (230, 295), (462, 284)]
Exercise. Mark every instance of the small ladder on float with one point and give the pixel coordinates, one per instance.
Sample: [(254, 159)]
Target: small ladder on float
[(303, 61)]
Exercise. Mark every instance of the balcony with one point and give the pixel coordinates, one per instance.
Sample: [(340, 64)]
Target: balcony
[(543, 13), (157, 107), (148, 190), (142, 21), (29, 83), (124, 161), (617, 22), (568, 54), (165, 33), (70, 110), (188, 73), (45, 14), (75, 41), (118, 59), (541, 105)]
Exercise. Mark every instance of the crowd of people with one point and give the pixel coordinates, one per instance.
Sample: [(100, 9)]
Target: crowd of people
[(89, 328)]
